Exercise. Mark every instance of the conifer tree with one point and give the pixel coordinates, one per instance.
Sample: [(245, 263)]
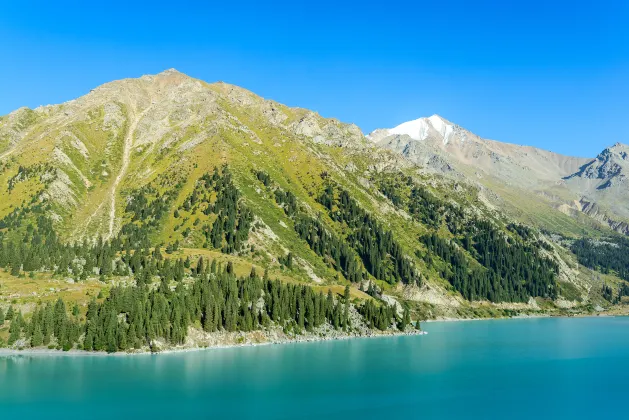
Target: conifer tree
[(38, 337), (406, 318), (15, 329), (59, 318), (346, 297)]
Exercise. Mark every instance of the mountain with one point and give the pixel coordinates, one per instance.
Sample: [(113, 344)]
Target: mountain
[(604, 187), (126, 131), (176, 194), (533, 185)]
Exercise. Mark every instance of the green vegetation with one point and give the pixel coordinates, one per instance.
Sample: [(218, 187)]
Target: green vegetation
[(611, 254), (212, 297), (216, 196), (508, 273), (380, 252), (225, 175), (334, 250), (28, 240), (484, 261), (330, 247), (134, 316)]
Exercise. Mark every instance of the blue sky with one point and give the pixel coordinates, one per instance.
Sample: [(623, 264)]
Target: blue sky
[(552, 74)]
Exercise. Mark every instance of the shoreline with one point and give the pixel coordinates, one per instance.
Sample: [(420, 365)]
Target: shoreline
[(5, 352), (600, 315)]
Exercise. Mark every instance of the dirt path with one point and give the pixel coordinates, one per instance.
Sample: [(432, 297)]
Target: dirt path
[(135, 118), (110, 199)]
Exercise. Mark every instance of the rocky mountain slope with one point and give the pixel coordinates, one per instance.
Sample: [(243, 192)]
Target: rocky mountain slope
[(93, 188), (604, 187), (533, 184)]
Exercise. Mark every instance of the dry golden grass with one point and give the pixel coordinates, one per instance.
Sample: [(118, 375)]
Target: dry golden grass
[(26, 292), (340, 290), (242, 267)]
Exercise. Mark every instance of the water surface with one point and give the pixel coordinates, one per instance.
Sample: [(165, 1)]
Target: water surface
[(542, 368)]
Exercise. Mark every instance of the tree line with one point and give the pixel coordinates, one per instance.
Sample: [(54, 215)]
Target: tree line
[(216, 196), (212, 298), (606, 256), (29, 242), (366, 248), (332, 248), (500, 264), (381, 254)]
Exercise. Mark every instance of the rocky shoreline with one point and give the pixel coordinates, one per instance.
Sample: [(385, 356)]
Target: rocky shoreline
[(198, 341), (530, 316)]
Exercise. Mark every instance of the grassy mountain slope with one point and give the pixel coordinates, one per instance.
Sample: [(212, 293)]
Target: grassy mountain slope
[(216, 171)]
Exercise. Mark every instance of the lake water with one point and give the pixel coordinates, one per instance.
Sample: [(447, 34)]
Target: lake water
[(529, 368)]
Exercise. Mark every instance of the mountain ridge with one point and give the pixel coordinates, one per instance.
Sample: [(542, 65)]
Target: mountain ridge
[(457, 152), (168, 162)]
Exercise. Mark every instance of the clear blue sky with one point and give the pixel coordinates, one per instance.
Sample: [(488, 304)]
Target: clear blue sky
[(553, 74)]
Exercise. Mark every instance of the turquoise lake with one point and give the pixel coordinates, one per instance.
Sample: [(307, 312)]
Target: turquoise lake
[(541, 368)]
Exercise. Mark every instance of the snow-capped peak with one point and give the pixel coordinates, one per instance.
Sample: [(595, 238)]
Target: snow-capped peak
[(420, 129), (444, 129), (416, 129)]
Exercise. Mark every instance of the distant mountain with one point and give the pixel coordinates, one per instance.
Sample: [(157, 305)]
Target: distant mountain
[(604, 186), (532, 183)]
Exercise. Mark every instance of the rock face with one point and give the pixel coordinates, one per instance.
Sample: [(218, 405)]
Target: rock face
[(595, 212), (514, 173), (612, 163), (604, 187)]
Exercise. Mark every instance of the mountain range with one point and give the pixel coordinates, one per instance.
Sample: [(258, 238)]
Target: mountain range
[(425, 215), (532, 183)]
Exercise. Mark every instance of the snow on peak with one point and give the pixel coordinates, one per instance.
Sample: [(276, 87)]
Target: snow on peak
[(437, 122), (416, 129), (419, 129), (444, 129)]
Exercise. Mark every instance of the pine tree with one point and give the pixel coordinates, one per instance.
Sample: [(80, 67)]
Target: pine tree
[(10, 314), (59, 318), (329, 303), (15, 269), (48, 323), (15, 329), (406, 318), (218, 301), (200, 266), (122, 338), (38, 337), (346, 297)]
